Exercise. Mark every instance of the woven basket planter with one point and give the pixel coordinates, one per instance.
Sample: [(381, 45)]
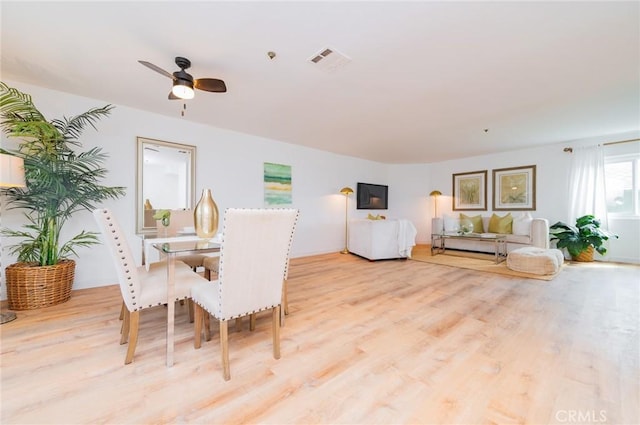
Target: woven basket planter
[(31, 286), (585, 256)]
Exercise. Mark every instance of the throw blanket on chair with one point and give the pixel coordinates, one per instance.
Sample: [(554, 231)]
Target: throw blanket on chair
[(406, 237)]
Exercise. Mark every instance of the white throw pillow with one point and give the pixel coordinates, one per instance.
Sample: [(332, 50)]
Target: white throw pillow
[(522, 224), (451, 224)]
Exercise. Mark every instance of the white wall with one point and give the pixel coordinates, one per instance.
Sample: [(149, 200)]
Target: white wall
[(550, 161), (408, 197), (552, 189), (231, 164)]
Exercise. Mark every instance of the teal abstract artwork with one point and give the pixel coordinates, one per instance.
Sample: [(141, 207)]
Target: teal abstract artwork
[(277, 184)]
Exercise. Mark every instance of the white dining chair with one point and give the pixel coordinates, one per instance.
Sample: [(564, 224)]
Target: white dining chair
[(140, 288), (253, 262), (211, 266)]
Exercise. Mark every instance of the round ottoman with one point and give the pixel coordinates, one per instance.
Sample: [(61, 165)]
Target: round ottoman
[(535, 260)]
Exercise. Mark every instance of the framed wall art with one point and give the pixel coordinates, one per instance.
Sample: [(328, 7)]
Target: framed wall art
[(277, 184), (470, 191), (514, 189)]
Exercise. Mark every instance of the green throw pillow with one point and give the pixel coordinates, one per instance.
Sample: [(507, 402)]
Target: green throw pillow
[(499, 224), (476, 220)]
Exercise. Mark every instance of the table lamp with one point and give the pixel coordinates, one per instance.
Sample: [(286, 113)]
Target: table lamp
[(11, 175)]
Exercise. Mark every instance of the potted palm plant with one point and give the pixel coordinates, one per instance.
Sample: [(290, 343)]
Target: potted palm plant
[(59, 183), (582, 239)]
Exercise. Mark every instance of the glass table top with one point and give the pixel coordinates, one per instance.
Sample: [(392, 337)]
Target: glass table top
[(488, 236), (201, 245)]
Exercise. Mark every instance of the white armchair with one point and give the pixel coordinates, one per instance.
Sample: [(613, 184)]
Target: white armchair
[(381, 239)]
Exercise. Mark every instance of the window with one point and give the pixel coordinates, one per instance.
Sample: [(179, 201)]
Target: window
[(623, 184)]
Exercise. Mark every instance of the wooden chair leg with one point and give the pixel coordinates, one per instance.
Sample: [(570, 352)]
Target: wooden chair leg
[(285, 303), (252, 322), (124, 329), (207, 325), (123, 307), (285, 297), (134, 318), (224, 346), (197, 327), (276, 332), (238, 324), (190, 307), (207, 273)]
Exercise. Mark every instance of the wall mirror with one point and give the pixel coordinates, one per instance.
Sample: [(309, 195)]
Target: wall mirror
[(165, 180)]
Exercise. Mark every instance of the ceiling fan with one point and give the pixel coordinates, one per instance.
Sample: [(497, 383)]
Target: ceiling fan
[(184, 83)]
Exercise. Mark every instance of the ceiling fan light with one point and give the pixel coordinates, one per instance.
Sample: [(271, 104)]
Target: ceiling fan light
[(183, 89)]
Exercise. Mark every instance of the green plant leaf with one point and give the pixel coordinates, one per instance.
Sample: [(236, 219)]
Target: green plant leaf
[(577, 239), (60, 180), (162, 214)]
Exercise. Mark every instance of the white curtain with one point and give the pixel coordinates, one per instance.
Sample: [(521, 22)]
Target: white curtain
[(586, 184)]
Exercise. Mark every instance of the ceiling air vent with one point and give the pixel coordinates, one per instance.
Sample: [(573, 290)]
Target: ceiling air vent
[(329, 60)]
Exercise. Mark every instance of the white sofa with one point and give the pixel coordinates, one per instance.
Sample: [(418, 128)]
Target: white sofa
[(381, 239), (528, 231)]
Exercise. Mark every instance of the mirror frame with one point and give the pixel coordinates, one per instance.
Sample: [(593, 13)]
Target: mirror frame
[(141, 142)]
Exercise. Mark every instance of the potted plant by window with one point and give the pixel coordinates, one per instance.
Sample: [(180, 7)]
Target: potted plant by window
[(582, 239), (59, 183)]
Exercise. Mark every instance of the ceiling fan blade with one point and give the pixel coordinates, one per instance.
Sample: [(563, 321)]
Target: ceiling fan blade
[(210, 84), (156, 69)]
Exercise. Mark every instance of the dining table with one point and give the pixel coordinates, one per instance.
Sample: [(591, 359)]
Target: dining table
[(172, 248)]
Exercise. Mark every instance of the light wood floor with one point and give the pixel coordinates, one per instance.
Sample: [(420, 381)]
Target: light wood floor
[(366, 343)]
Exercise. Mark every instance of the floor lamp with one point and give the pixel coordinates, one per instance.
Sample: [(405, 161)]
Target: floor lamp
[(435, 194), (346, 191), (11, 175)]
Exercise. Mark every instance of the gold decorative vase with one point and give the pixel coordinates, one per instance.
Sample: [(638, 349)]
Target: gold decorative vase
[(205, 216)]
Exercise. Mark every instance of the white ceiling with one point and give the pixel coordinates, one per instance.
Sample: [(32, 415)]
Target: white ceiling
[(424, 81)]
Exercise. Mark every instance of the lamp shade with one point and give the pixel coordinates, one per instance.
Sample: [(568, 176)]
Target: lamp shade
[(11, 171), (435, 193), (183, 89), (346, 190)]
